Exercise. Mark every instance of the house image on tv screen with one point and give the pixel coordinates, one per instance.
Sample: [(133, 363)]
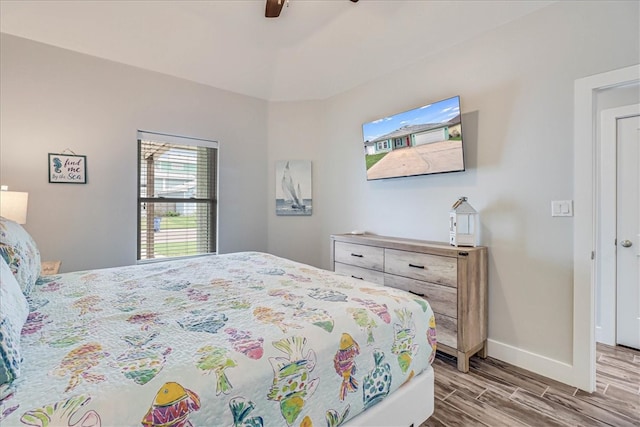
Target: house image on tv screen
[(410, 136), (422, 141)]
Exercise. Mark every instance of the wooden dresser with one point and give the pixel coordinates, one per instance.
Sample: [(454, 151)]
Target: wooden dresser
[(452, 279)]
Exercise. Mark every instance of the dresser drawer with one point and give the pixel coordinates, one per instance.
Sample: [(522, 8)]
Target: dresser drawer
[(428, 268), (443, 299), (446, 330), (370, 257), (373, 276)]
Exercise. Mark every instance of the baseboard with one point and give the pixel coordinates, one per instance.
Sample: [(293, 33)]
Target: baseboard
[(599, 333), (542, 365)]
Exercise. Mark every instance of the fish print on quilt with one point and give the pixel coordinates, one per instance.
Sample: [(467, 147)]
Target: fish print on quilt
[(245, 339)]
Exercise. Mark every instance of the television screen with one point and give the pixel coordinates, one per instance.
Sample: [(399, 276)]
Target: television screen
[(425, 140)]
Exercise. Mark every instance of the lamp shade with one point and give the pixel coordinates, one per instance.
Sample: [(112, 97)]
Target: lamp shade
[(13, 205)]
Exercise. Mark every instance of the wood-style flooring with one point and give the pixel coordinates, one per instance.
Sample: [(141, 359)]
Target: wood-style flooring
[(495, 393)]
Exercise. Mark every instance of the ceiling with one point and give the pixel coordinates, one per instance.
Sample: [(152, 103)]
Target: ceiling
[(314, 50)]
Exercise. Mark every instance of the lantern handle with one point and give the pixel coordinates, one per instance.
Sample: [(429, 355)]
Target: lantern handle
[(459, 202)]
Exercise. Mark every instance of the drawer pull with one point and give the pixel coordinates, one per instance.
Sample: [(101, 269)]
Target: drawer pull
[(416, 266), (416, 293), (356, 277), (357, 255)]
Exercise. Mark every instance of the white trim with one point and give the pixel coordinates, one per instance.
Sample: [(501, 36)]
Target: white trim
[(605, 243), (542, 365), (175, 139), (583, 368)]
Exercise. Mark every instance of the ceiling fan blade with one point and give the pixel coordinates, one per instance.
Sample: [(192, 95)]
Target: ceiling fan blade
[(273, 8)]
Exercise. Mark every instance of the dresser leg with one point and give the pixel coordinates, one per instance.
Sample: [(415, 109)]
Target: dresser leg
[(483, 351), (463, 362)]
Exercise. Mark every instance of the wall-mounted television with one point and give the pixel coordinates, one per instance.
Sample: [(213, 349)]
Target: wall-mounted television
[(422, 141)]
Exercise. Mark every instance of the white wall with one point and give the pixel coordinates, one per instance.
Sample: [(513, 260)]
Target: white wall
[(296, 132), (516, 87), (53, 99)]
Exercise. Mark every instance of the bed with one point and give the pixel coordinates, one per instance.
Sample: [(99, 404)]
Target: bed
[(243, 339)]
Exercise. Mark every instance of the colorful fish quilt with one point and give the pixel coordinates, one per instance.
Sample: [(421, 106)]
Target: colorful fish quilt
[(245, 340)]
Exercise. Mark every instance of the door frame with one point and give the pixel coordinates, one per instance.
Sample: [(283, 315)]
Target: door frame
[(585, 218), (606, 280)]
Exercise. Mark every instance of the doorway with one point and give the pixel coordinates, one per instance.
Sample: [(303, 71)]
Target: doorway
[(585, 175), (616, 288), (628, 286)]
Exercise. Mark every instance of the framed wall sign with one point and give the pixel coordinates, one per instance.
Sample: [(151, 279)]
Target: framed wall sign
[(67, 169)]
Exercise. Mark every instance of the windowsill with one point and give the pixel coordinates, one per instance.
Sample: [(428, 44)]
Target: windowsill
[(154, 260)]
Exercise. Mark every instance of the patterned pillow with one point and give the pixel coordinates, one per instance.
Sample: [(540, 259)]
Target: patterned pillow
[(21, 254), (14, 310)]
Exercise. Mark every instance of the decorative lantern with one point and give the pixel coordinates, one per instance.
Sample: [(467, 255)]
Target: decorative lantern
[(463, 224)]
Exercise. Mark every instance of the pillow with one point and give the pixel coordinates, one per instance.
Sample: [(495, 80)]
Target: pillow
[(21, 254), (14, 310)]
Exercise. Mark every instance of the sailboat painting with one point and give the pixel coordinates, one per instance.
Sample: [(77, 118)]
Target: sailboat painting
[(293, 187)]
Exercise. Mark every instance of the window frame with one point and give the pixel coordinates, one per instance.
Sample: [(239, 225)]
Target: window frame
[(212, 184)]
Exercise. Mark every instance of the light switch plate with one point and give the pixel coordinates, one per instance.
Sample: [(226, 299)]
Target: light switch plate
[(562, 208)]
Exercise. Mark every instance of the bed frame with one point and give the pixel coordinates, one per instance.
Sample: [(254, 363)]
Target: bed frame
[(410, 405)]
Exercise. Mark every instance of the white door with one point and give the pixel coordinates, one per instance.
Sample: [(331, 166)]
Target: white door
[(628, 232)]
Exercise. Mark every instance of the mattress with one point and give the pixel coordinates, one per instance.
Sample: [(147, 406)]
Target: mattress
[(244, 339)]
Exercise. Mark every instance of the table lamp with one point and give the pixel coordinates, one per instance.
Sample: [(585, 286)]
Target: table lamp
[(13, 205)]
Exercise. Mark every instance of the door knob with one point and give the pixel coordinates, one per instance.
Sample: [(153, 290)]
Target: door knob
[(626, 243)]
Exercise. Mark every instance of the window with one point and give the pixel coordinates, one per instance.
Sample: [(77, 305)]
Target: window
[(177, 196)]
